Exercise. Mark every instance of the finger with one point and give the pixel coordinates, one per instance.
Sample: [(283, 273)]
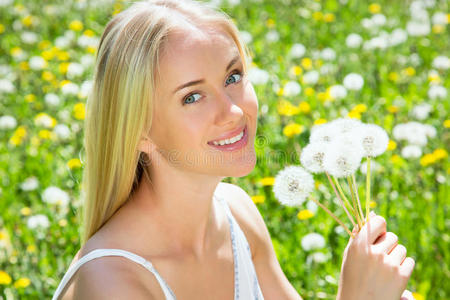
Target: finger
[(406, 268), (397, 256), (407, 295), (373, 229), (385, 243)]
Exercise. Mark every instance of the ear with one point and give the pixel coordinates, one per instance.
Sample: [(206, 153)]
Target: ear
[(146, 145)]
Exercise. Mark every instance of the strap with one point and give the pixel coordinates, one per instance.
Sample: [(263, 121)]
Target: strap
[(113, 252)]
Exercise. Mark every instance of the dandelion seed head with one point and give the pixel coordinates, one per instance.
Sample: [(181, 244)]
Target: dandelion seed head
[(312, 156), (374, 139), (293, 185), (342, 160)]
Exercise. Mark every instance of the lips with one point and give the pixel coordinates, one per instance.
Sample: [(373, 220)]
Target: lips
[(228, 135)]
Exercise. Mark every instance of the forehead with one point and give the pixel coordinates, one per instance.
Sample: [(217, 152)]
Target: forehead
[(189, 52)]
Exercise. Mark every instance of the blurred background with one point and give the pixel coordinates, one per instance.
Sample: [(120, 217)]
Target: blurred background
[(383, 62)]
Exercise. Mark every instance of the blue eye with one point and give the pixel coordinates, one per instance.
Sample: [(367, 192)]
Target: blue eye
[(191, 99), (233, 79)]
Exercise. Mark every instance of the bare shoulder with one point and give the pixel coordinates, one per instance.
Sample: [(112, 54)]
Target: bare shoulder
[(111, 277), (246, 214)]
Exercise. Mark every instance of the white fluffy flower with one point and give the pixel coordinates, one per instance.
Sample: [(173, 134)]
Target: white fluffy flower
[(439, 18), (374, 139), (353, 81), (74, 70), (312, 157), (413, 132), (246, 36), (258, 76), (328, 54), (8, 122), (430, 131), (54, 195), (87, 60), (297, 51), (397, 37), (293, 185), (441, 62), (70, 88), (62, 131), (52, 99), (272, 36), (338, 91), (30, 184), (29, 37), (312, 241), (411, 151), (311, 77), (37, 63), (378, 19), (323, 133), (353, 40), (345, 125), (38, 221), (317, 257), (291, 88), (86, 88), (342, 160), (421, 111), (415, 28), (437, 92)]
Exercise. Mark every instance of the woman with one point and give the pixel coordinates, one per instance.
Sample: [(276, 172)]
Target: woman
[(171, 114)]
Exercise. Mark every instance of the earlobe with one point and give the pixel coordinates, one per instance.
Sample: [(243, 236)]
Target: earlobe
[(146, 145)]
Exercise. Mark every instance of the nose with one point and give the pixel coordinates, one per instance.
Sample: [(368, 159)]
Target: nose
[(228, 112)]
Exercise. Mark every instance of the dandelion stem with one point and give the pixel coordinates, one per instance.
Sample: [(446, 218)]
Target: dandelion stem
[(358, 217), (333, 216), (336, 181), (357, 197), (367, 188), (340, 199)]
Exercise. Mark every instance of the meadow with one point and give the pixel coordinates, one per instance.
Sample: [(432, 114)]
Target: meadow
[(383, 62)]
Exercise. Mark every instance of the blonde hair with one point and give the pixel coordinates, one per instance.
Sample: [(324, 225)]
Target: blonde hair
[(119, 108)]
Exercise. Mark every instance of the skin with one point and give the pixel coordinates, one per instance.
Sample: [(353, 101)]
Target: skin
[(173, 221)]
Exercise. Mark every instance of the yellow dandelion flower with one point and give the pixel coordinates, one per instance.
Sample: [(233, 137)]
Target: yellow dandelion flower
[(21, 131), (292, 129), (63, 67), (35, 141), (89, 33), (2, 28), (31, 248), (320, 121), (447, 123), (27, 20), (117, 8), (329, 17), (317, 15), (437, 28), (354, 115), (305, 214), (24, 66), (44, 44), (434, 77), (63, 55), (30, 98), (62, 222), (427, 159), (22, 282), (393, 109), (397, 160), (393, 76), (372, 204), (48, 76), (267, 181), (306, 63), (296, 70), (418, 296), (74, 163), (391, 145), (286, 108), (91, 49), (440, 153), (79, 111), (270, 23), (374, 8), (360, 108), (309, 91), (409, 71), (45, 134), (304, 107), (258, 199), (64, 82), (5, 278), (323, 96), (47, 54), (76, 25)]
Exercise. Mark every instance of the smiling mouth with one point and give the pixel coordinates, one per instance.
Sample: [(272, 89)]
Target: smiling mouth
[(232, 140)]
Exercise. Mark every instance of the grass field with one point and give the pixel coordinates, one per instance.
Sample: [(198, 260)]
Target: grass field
[(302, 53)]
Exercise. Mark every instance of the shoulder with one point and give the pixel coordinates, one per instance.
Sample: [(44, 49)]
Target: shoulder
[(111, 277), (246, 214)]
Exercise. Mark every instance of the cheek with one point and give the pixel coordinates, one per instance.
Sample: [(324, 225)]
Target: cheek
[(250, 100)]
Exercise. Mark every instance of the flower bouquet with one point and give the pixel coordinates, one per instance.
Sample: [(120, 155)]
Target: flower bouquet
[(336, 149)]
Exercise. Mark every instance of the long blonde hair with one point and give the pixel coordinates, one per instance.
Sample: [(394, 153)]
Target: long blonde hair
[(119, 108)]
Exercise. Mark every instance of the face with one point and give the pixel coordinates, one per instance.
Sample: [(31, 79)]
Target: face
[(202, 100)]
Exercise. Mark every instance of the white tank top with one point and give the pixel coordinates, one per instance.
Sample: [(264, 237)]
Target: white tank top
[(246, 284)]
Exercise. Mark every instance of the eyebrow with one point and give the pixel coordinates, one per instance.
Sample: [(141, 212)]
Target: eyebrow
[(198, 81)]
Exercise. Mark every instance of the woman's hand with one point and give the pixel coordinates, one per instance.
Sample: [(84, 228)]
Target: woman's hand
[(375, 266)]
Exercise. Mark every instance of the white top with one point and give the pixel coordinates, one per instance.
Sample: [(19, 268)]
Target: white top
[(246, 284)]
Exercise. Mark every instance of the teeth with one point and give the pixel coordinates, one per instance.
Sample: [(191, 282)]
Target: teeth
[(229, 141)]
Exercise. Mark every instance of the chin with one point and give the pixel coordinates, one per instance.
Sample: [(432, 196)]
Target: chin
[(242, 167)]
